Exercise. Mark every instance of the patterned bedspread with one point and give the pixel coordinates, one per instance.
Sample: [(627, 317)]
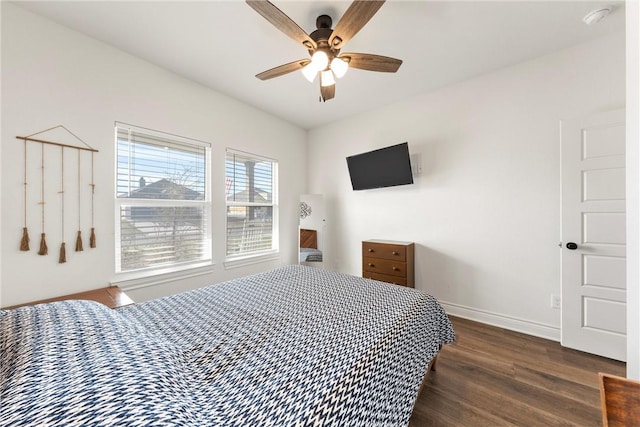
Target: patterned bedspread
[(295, 346), (310, 255)]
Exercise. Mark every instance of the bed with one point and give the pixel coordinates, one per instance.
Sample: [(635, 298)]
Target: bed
[(289, 347), (309, 251)]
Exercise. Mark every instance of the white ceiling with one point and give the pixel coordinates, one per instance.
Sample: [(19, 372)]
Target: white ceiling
[(223, 44)]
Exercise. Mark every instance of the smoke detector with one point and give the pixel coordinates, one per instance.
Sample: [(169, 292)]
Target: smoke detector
[(597, 15)]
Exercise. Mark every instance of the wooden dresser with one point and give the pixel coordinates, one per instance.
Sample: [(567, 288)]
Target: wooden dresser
[(388, 261)]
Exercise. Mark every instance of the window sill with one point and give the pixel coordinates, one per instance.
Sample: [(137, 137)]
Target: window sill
[(137, 280), (241, 261)]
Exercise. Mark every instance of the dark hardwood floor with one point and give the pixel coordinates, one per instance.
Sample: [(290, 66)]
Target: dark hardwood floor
[(495, 377)]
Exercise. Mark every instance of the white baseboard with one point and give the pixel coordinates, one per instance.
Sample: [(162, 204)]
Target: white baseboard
[(500, 320)]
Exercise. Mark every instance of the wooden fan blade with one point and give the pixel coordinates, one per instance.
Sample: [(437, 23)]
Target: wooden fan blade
[(356, 16), (282, 22), (370, 62), (327, 92), (283, 69)]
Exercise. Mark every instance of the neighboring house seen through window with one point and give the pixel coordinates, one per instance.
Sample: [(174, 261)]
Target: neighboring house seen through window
[(251, 204), (162, 197)]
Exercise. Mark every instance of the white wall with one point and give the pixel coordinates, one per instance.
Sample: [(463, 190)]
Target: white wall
[(484, 213), (52, 75)]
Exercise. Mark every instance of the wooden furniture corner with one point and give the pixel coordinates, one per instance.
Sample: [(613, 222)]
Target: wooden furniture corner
[(620, 400), (111, 296)]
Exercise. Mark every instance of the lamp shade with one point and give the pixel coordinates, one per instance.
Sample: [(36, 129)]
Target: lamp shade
[(326, 78), (319, 60), (309, 72), (339, 67)]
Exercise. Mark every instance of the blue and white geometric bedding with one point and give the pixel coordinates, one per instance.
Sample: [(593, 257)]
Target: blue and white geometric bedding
[(295, 346), (310, 255)]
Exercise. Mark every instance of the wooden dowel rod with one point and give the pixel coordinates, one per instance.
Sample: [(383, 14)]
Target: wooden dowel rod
[(56, 143)]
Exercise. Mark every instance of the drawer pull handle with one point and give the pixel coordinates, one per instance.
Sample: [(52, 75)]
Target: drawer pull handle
[(370, 265), (395, 269), (394, 253), (370, 250)]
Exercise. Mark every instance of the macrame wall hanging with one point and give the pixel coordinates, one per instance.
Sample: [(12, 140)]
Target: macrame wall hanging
[(43, 250)]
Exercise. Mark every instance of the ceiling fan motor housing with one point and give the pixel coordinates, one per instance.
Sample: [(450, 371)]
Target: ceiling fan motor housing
[(323, 21), (321, 36)]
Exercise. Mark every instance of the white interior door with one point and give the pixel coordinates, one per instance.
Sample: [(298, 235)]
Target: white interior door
[(593, 235)]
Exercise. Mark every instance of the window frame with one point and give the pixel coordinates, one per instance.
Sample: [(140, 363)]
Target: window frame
[(206, 203), (245, 258)]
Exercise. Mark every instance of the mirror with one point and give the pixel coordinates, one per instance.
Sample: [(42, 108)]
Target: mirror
[(311, 236)]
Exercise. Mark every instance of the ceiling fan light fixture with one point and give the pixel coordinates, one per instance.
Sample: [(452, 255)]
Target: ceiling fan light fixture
[(326, 78), (309, 72), (325, 44), (319, 60), (339, 67)]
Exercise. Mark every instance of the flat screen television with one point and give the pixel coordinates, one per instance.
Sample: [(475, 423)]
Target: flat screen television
[(385, 167)]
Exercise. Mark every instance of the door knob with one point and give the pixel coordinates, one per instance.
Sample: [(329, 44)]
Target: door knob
[(572, 246)]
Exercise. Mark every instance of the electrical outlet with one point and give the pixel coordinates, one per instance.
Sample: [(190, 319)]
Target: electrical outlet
[(555, 301)]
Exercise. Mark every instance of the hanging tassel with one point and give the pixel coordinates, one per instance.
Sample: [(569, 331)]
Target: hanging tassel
[(79, 242), (79, 247), (63, 254), (92, 238), (43, 245), (24, 244), (63, 250)]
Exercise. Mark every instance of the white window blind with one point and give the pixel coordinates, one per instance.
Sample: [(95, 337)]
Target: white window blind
[(251, 203), (162, 184)]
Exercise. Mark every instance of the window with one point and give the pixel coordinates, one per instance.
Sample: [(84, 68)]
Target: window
[(162, 199), (251, 204)]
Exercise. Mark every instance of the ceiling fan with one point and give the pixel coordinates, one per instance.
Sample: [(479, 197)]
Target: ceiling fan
[(324, 45)]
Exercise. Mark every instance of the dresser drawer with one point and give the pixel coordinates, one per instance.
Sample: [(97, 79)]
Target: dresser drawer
[(396, 280), (384, 266), (384, 251)]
